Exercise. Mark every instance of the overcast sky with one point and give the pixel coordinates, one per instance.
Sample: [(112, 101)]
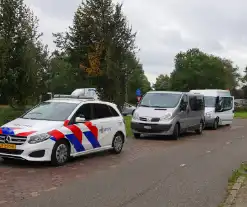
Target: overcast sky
[(165, 27)]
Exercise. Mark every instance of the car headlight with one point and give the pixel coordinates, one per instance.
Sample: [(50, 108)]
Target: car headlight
[(166, 117), (135, 116), (38, 138)]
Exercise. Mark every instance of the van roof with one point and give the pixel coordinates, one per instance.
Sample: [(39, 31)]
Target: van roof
[(212, 92), (174, 92)]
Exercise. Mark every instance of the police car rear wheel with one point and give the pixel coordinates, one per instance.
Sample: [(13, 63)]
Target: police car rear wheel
[(60, 153), (117, 143)]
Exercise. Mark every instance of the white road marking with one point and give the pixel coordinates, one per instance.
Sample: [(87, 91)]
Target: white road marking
[(50, 189), (208, 151), (34, 194), (182, 165), (228, 142)]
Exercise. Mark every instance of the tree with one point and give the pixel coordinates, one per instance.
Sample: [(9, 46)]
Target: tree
[(162, 83), (23, 60), (197, 70), (63, 78), (102, 42), (137, 80)]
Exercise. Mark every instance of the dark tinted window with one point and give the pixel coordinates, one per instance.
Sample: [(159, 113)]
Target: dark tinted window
[(113, 111), (196, 103), (101, 111), (200, 103), (193, 106), (84, 110)]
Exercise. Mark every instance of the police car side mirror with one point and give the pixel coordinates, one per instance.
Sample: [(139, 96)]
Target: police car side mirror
[(80, 119)]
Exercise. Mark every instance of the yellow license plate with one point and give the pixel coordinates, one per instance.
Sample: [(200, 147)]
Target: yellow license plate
[(8, 146)]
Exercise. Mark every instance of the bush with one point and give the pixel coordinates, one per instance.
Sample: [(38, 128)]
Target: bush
[(7, 114)]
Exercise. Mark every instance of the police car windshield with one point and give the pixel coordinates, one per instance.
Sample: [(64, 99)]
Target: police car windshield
[(160, 100), (51, 111), (209, 101)]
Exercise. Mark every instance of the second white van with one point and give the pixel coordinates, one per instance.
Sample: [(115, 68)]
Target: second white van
[(219, 107)]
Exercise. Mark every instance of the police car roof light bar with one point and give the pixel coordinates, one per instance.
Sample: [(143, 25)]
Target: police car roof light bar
[(72, 97)]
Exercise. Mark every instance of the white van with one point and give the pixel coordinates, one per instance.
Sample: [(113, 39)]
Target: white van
[(219, 107)]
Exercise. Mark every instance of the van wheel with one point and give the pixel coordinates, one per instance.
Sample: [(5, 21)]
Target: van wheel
[(199, 130), (215, 124), (117, 143), (137, 136), (176, 132), (60, 153)]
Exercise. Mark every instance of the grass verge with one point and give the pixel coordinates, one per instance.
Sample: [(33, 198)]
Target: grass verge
[(240, 172), (242, 115), (127, 124)]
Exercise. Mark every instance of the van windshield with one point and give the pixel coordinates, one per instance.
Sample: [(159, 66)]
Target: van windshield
[(160, 100), (209, 101)]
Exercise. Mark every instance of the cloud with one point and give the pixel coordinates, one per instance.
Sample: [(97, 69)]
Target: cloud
[(166, 27)]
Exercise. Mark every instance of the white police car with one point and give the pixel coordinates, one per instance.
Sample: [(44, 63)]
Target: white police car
[(63, 127)]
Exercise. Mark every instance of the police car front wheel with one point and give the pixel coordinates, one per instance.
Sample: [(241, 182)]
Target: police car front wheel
[(60, 153), (117, 143)]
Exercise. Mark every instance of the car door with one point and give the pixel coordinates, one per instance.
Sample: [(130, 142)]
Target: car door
[(105, 123), (118, 123), (82, 139), (194, 114), (183, 115), (227, 113)]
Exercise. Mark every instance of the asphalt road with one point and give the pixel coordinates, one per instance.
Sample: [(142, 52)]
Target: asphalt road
[(152, 172)]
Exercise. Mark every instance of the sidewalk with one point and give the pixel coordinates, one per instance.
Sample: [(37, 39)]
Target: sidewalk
[(241, 199)]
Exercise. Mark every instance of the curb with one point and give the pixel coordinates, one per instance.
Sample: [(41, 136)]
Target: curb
[(233, 192)]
